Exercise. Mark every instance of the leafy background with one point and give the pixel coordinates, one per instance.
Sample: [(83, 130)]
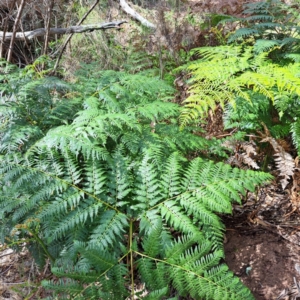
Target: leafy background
[(110, 175)]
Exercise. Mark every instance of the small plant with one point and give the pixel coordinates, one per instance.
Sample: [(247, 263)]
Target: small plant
[(271, 26), (111, 199)]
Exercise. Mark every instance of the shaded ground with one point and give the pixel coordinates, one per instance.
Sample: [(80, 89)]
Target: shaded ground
[(262, 244), (264, 261), (262, 248), (16, 271)]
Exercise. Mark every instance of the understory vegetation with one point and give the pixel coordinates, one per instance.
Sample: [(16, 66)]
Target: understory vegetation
[(115, 184)]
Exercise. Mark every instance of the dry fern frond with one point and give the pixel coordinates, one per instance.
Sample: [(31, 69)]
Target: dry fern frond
[(284, 161), (242, 159), (247, 160), (291, 293), (249, 147)]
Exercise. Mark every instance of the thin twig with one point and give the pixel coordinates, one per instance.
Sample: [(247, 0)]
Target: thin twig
[(70, 36), (7, 269), (49, 14), (12, 41), (6, 254)]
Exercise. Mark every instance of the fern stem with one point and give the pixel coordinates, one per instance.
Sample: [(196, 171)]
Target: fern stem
[(131, 257), (42, 244), (10, 244)]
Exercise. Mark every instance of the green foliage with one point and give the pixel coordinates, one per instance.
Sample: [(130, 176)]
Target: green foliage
[(271, 26), (30, 105), (252, 89), (106, 193)]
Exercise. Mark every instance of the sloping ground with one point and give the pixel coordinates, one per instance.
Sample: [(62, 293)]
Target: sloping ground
[(262, 248), (16, 271), (262, 244), (264, 261)]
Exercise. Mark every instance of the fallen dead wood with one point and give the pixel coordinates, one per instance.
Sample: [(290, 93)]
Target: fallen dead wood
[(126, 8), (28, 35)]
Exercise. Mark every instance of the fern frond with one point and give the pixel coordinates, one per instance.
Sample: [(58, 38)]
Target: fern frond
[(257, 17), (284, 161), (265, 45), (112, 226), (227, 84), (295, 129), (242, 33), (110, 197)]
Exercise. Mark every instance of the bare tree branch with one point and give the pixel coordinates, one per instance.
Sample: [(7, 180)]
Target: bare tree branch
[(14, 33), (70, 35), (104, 26), (126, 8), (4, 25), (73, 29), (50, 4)]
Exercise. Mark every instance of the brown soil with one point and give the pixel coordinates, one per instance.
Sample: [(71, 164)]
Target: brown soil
[(264, 261)]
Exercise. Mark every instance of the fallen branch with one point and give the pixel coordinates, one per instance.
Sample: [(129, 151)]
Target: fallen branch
[(28, 35), (126, 8)]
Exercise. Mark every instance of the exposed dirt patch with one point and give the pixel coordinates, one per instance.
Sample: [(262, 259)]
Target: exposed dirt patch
[(264, 261), (20, 277)]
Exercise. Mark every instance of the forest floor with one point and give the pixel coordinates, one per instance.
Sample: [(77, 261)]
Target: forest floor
[(264, 261), (262, 248)]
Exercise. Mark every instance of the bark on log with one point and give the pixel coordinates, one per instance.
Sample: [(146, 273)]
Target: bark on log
[(126, 8), (73, 29)]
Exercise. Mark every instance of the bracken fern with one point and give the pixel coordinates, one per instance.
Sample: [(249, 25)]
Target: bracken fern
[(111, 199)]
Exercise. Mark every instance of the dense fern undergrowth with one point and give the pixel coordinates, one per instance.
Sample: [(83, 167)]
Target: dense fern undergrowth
[(95, 178), (254, 79)]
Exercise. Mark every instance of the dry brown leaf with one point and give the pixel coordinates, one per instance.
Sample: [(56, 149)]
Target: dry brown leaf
[(247, 160), (241, 159), (283, 160)]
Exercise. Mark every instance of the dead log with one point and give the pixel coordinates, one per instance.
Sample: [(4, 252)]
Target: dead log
[(28, 35), (126, 8)]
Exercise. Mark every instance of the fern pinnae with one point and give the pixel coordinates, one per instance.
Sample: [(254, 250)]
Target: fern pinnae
[(158, 294), (191, 175), (170, 178), (196, 206), (149, 220), (76, 274), (72, 168), (119, 178), (112, 226), (175, 217), (155, 248), (147, 190), (59, 206), (144, 264), (95, 177)]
